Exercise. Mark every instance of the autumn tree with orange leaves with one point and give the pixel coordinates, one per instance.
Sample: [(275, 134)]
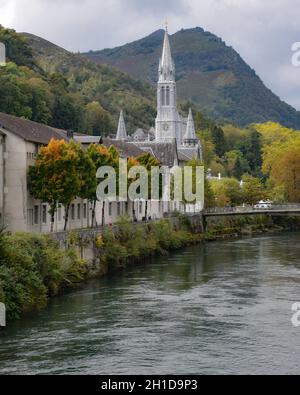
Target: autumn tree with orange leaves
[(54, 178)]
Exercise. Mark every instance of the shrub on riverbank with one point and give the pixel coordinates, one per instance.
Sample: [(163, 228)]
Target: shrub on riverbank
[(32, 268), (128, 242)]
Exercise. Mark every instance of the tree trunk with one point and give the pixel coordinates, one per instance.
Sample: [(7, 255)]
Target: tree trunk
[(52, 222), (146, 210), (52, 212), (133, 212), (67, 208), (94, 213), (103, 213)]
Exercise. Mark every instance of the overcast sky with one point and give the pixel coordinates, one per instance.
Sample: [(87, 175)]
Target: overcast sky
[(262, 31)]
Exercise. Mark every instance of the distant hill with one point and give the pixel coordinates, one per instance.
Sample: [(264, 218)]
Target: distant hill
[(209, 73)]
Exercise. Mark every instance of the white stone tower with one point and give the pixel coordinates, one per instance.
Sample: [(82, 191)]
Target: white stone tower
[(168, 121), (121, 133)]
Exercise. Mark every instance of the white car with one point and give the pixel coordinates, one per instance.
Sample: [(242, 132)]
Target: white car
[(263, 205)]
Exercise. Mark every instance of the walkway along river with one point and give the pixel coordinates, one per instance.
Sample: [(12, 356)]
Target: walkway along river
[(222, 307)]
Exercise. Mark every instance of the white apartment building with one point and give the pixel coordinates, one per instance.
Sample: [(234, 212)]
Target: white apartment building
[(20, 141)]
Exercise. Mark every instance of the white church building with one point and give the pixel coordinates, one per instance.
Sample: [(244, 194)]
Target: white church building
[(170, 127)]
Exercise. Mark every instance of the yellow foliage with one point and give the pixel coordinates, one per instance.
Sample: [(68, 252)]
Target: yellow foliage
[(282, 164), (272, 132), (99, 243)]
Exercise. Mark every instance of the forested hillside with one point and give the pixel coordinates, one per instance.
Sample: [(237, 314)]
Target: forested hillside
[(47, 84)]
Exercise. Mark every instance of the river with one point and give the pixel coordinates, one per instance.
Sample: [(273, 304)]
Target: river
[(218, 308)]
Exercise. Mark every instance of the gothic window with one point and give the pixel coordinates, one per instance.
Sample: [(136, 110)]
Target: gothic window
[(167, 96), (163, 97)]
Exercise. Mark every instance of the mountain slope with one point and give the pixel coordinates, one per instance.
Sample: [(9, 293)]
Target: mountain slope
[(209, 73), (112, 88)]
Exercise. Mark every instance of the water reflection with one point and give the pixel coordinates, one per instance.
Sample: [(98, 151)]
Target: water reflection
[(217, 308)]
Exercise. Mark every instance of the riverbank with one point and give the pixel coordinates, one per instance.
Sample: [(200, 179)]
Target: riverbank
[(34, 268)]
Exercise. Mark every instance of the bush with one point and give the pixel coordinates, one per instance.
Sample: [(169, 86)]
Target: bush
[(129, 242), (32, 268)]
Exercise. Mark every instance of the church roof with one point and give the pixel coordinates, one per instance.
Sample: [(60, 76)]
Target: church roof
[(165, 153), (186, 154), (125, 149)]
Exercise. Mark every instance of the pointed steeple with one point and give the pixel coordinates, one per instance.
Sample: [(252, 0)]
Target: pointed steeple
[(190, 134), (121, 133), (166, 65)]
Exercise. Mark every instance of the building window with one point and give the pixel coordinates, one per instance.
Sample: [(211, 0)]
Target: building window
[(36, 215), (141, 207), (79, 211), (110, 209), (126, 208), (167, 96), (84, 211), (44, 213), (73, 212), (119, 209)]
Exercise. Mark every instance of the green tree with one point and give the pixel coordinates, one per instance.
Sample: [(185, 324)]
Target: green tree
[(218, 138), (252, 151), (67, 112), (86, 170), (96, 120), (227, 191), (100, 156), (253, 189)]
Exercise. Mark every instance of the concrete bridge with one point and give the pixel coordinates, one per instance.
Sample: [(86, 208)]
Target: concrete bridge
[(274, 210)]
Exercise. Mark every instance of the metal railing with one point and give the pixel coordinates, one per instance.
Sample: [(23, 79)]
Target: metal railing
[(256, 209)]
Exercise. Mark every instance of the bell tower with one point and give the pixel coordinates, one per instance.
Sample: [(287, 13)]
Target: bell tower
[(168, 121)]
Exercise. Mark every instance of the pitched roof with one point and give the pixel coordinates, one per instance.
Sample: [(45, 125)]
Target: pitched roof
[(185, 154), (86, 139), (125, 149), (165, 153), (29, 130)]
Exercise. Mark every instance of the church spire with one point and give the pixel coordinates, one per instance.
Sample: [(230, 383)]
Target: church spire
[(190, 134), (121, 133), (166, 66)]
